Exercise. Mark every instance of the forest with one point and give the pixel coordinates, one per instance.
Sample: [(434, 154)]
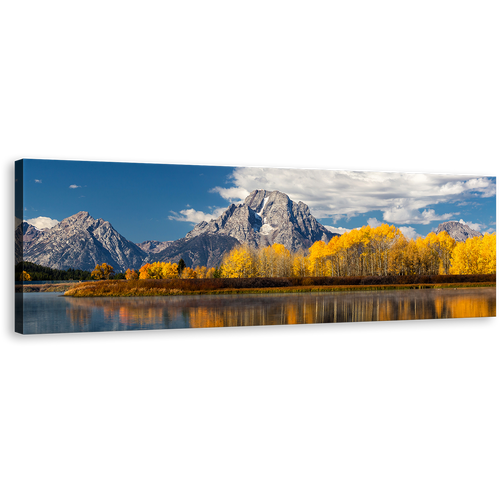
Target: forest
[(42, 273), (368, 251)]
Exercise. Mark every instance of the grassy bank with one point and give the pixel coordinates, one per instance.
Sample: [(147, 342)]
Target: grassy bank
[(136, 288), (47, 287)]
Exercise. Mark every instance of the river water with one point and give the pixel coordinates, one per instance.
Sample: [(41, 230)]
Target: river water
[(54, 313)]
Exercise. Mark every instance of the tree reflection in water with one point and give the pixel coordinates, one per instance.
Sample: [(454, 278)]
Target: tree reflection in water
[(204, 311)]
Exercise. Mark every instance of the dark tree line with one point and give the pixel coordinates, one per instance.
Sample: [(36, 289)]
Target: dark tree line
[(42, 273)]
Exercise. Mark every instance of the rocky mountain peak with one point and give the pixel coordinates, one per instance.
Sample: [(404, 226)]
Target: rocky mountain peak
[(30, 234), (457, 230), (267, 217), (78, 220), (262, 201), (79, 217), (81, 242), (29, 229), (154, 246)]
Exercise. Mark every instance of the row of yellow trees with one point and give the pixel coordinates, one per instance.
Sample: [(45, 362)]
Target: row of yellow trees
[(368, 251), (168, 270)]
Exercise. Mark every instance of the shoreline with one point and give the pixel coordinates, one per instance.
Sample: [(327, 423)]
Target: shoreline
[(47, 287), (145, 292)]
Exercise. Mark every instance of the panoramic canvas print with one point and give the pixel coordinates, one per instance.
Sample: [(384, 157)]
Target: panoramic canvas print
[(104, 246)]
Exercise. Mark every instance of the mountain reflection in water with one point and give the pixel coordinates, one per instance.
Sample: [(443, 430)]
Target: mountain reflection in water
[(204, 311)]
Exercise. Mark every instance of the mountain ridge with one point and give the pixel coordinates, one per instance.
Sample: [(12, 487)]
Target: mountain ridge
[(263, 218), (82, 242)]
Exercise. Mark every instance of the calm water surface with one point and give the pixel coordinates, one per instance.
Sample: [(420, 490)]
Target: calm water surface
[(54, 313)]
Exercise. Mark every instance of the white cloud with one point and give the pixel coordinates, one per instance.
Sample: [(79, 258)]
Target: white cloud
[(74, 186), (406, 213), (231, 194), (38, 181), (402, 197), (373, 222), (338, 230), (43, 222), (474, 226), (409, 232), (196, 216)]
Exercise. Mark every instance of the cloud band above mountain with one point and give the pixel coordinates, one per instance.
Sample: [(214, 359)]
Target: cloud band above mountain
[(196, 216), (403, 198)]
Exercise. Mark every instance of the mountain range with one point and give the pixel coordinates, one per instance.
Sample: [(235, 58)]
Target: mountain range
[(263, 218), (81, 242)]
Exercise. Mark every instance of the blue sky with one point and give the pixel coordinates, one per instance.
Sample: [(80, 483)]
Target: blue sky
[(164, 202)]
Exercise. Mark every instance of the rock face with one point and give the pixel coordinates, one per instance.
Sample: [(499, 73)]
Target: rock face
[(264, 218), (458, 231), (202, 250), (30, 234), (81, 242), (153, 246), (18, 247)]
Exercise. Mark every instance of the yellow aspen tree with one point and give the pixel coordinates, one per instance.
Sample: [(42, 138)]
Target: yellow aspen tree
[(102, 272), (265, 262), (397, 256), (237, 264), (472, 256), (464, 259), (188, 273), (333, 257), (364, 251), (353, 243), (201, 272), (475, 256), (459, 259), (430, 251), (379, 242), (317, 259), (446, 246), (439, 254), (143, 272), (433, 253), (97, 273), (282, 261), (341, 247), (300, 266), (254, 260), (489, 253), (420, 257), (210, 272), (246, 262), (423, 257), (155, 271), (411, 258), (170, 270), (131, 274)]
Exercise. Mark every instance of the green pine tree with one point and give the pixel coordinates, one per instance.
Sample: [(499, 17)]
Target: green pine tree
[(180, 266)]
